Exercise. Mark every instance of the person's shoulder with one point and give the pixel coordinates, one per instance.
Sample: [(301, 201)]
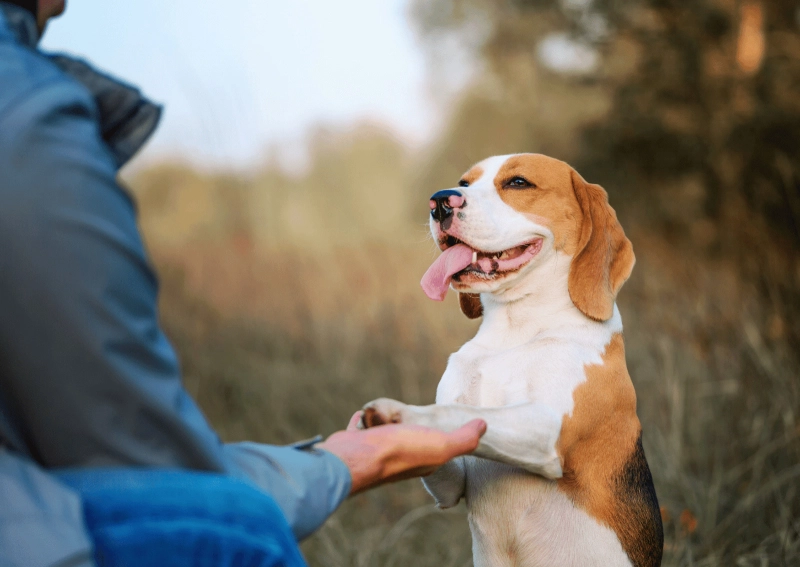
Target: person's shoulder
[(34, 94), (45, 115), (23, 69), (28, 76)]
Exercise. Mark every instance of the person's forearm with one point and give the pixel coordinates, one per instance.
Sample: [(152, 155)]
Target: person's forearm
[(395, 452), (308, 485)]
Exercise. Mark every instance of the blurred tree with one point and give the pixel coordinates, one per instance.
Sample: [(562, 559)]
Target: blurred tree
[(353, 189), (688, 113), (687, 110)]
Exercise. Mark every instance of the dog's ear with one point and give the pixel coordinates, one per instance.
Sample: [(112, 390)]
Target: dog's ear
[(604, 257), (470, 304)]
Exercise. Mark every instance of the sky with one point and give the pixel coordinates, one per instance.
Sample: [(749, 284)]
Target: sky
[(235, 77)]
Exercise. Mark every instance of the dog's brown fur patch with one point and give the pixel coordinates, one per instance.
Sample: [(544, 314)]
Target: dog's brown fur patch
[(550, 202), (470, 304), (373, 418), (604, 260), (475, 173), (605, 471), (583, 223)]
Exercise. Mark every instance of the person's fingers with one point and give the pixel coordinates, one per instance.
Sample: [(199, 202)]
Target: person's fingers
[(465, 439), (354, 421)]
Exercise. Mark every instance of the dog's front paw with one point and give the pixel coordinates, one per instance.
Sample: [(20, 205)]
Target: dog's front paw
[(383, 411)]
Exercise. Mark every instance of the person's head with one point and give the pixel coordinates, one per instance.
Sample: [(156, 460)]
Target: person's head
[(49, 9), (42, 9)]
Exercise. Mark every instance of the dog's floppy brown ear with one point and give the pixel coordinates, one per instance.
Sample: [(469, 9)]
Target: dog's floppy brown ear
[(470, 304), (604, 257)]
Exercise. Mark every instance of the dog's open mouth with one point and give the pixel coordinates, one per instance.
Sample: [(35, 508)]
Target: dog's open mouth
[(464, 264)]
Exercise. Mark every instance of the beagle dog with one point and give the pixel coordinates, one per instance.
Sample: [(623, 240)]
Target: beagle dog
[(560, 477)]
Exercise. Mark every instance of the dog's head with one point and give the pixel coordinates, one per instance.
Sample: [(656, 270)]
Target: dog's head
[(510, 217)]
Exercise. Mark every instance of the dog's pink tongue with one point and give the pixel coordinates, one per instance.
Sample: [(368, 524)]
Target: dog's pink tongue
[(436, 280)]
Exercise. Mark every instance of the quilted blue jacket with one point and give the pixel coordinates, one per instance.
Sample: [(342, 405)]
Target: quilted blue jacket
[(87, 377)]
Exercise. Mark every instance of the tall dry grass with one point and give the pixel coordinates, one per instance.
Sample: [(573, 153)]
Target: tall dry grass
[(286, 325), (282, 346)]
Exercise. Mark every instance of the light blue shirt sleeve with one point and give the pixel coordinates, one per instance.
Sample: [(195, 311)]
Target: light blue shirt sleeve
[(308, 485), (41, 520), (87, 377)]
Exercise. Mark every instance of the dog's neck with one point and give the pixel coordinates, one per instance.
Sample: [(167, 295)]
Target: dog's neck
[(538, 305)]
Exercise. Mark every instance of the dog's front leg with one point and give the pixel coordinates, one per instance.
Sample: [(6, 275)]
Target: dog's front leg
[(448, 483), (524, 435)]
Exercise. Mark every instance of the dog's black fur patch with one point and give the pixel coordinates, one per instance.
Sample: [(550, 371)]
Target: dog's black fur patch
[(642, 535)]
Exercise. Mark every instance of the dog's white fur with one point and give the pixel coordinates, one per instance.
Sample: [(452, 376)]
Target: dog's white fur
[(518, 374)]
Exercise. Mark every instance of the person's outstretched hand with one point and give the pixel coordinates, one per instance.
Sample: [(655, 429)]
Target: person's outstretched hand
[(395, 452)]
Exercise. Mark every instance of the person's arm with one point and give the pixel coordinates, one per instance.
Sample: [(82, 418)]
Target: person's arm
[(308, 485), (63, 172), (88, 377)]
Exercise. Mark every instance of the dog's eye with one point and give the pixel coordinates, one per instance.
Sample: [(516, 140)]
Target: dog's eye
[(463, 183), (518, 183)]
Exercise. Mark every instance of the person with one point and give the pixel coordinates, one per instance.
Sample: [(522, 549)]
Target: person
[(90, 388)]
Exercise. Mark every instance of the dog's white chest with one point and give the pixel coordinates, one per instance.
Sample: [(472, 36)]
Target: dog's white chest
[(518, 518), (522, 520), (477, 377), (545, 371), (546, 368)]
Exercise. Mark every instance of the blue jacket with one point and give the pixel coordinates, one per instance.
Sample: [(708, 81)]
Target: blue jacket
[(87, 377)]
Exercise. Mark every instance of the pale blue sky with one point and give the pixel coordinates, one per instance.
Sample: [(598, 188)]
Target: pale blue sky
[(236, 76)]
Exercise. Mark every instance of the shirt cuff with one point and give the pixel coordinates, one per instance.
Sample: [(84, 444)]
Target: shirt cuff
[(308, 485)]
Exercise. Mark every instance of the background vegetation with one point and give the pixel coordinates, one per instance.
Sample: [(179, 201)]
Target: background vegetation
[(292, 296)]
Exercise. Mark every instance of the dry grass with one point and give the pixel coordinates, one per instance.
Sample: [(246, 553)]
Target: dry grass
[(281, 346), (278, 349), (280, 342), (291, 306)]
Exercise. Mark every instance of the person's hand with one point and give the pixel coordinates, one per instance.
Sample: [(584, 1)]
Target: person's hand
[(395, 452)]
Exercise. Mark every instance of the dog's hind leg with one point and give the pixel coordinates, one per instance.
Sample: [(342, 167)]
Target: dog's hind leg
[(448, 483)]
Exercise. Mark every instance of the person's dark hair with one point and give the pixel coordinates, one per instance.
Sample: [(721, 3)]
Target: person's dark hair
[(31, 5)]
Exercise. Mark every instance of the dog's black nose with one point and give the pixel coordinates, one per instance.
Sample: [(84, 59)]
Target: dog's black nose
[(443, 202)]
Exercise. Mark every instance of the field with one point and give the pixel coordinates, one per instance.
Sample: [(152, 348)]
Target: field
[(281, 340), (292, 296)]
